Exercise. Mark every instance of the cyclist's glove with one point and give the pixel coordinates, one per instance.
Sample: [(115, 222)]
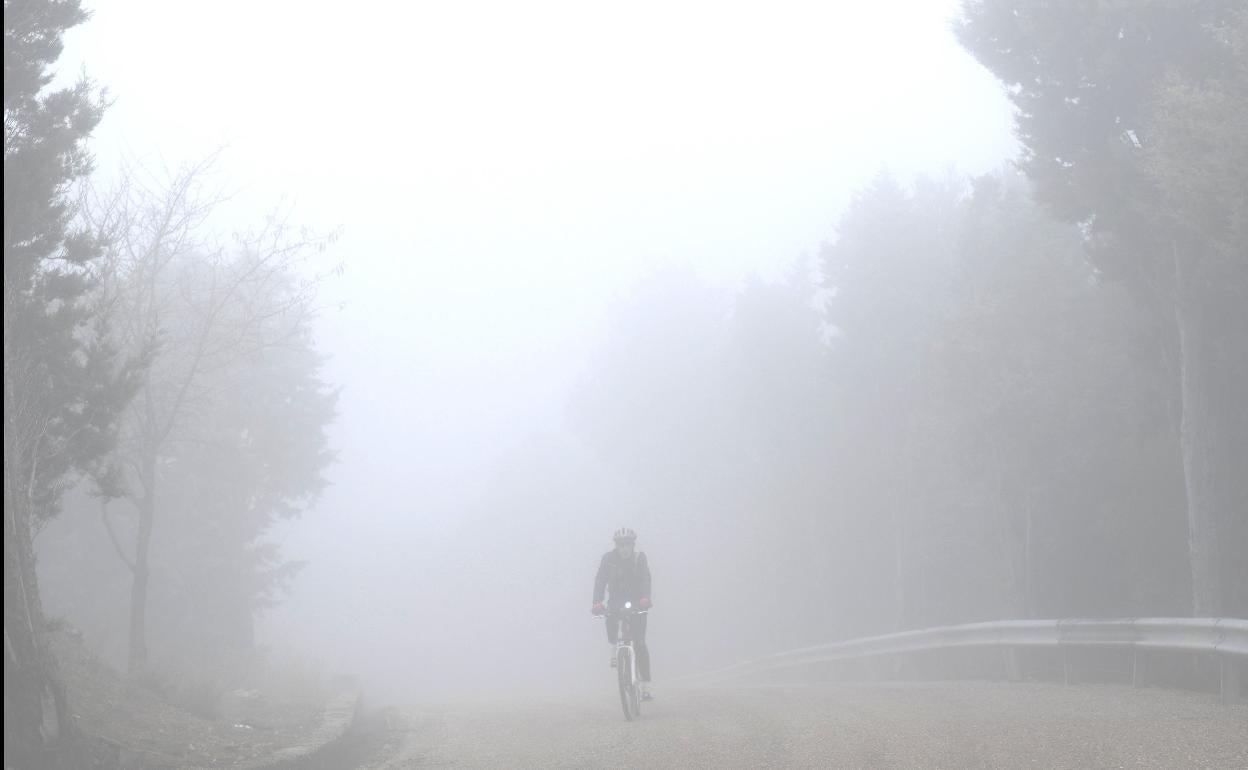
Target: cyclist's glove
[(598, 609), (644, 603)]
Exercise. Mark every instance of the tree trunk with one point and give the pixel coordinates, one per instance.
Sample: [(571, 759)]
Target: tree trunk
[(1028, 607), (1214, 438), (38, 730), (1202, 520), (900, 600), (138, 589)]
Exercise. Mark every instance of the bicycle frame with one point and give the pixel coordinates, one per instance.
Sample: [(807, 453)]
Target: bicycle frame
[(626, 657)]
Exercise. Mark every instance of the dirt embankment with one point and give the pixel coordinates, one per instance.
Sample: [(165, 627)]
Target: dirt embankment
[(133, 726)]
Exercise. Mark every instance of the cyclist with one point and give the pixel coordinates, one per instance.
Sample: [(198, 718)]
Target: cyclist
[(624, 576)]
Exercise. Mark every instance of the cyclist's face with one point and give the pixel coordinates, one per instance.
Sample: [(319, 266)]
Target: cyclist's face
[(624, 548)]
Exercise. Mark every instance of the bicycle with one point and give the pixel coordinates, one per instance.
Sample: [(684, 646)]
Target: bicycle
[(626, 661)]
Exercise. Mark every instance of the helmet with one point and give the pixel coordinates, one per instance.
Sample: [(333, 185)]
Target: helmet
[(625, 534)]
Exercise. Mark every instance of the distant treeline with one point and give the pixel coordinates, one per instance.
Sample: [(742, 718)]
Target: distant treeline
[(1020, 397), (960, 420)]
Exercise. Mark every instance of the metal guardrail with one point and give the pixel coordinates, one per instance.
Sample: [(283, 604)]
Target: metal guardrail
[(1224, 638)]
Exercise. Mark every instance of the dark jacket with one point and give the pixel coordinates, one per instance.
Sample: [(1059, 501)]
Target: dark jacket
[(624, 580)]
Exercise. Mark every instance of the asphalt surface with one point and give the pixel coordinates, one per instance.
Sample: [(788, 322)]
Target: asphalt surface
[(930, 725)]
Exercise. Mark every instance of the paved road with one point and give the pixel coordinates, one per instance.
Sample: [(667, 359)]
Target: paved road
[(935, 725)]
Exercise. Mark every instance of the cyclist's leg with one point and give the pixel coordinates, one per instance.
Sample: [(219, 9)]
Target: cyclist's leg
[(639, 644), (613, 634)]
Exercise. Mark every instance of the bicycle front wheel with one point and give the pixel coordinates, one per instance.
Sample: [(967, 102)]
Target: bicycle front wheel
[(628, 693)]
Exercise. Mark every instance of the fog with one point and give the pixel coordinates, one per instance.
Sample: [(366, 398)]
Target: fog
[(603, 265)]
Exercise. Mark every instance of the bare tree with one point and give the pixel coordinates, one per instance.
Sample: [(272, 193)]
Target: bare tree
[(199, 308)]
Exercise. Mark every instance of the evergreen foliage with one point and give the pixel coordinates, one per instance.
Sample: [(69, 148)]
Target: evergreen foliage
[(1132, 117), (63, 384)]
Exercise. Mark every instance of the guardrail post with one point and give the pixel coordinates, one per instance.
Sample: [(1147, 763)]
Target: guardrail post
[(1137, 668), (1228, 674), (1013, 669), (1065, 666)]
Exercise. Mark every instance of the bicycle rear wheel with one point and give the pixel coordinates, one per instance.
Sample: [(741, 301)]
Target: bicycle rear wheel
[(624, 668)]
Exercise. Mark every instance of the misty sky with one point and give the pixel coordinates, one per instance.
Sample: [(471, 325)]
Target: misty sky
[(499, 172)]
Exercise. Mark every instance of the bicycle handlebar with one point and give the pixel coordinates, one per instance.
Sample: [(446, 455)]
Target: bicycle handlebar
[(620, 614)]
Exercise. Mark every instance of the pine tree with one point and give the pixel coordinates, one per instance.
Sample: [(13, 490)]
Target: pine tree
[(63, 386), (1132, 128)]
